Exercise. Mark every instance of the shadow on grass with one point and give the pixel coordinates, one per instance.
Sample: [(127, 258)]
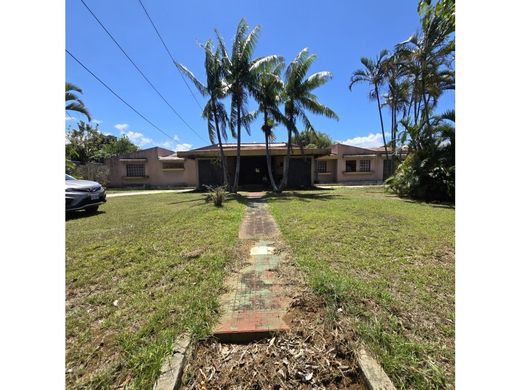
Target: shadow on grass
[(71, 215), (303, 196), (187, 201), (442, 205)]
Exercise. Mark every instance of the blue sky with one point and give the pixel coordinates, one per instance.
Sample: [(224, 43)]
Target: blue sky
[(339, 32)]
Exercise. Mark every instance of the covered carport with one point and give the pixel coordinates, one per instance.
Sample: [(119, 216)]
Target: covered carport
[(253, 164)]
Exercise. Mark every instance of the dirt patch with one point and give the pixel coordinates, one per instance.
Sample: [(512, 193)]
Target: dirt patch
[(314, 354)]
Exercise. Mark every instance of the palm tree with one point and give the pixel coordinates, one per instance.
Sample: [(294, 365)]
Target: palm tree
[(428, 57), (397, 97), (298, 98), (214, 111), (73, 102), (267, 92), (240, 76), (373, 74)]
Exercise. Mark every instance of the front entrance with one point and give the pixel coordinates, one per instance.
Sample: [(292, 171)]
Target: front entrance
[(388, 168), (253, 171)]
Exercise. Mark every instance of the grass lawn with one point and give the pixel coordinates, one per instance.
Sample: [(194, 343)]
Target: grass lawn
[(386, 264), (138, 273)]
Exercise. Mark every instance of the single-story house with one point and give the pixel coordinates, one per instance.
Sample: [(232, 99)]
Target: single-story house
[(153, 167), (353, 165), (160, 167)]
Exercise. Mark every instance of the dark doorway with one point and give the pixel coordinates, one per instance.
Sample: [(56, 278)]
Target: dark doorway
[(300, 173), (253, 171), (388, 168), (210, 173)]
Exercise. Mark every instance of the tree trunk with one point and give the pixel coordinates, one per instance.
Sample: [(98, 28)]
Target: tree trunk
[(268, 156), (269, 167), (223, 160), (286, 159), (381, 120), (237, 167)]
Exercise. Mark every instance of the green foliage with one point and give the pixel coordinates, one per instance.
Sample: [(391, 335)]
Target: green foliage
[(422, 177), (411, 81), (88, 144), (216, 194), (93, 171), (313, 139), (73, 102)]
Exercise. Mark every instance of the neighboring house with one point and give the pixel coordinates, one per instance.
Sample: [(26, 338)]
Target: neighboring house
[(159, 167), (153, 167), (353, 165)]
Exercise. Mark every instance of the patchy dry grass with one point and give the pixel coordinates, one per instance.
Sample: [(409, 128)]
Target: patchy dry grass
[(138, 273), (388, 265)]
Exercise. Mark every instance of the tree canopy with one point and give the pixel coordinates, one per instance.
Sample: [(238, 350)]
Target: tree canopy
[(88, 144), (313, 139)]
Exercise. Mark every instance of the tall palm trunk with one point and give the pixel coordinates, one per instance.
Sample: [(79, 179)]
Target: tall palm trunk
[(237, 166), (381, 120), (223, 160), (285, 176), (268, 155)]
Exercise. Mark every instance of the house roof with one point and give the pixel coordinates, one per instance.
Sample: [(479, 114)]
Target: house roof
[(249, 149), (171, 157)]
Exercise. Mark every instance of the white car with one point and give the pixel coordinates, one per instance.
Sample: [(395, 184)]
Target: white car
[(83, 194)]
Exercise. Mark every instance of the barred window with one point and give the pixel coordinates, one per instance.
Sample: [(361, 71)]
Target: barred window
[(322, 166), (173, 165), (364, 166), (134, 170), (350, 166)]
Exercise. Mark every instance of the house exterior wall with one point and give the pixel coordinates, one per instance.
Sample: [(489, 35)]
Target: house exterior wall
[(345, 153), (155, 174)]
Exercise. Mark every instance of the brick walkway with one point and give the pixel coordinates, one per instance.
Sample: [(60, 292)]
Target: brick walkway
[(256, 303)]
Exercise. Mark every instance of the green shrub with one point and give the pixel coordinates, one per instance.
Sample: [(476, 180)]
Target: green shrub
[(216, 194), (430, 178)]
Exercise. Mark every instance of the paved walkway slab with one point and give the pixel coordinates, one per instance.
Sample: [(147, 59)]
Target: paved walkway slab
[(257, 301)]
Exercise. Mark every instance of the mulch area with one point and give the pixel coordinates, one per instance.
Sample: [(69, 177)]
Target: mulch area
[(316, 353)]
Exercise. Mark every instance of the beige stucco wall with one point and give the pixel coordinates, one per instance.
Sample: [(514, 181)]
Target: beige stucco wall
[(156, 176), (376, 165)]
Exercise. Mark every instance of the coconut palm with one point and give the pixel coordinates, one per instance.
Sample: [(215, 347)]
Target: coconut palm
[(373, 74), (428, 57), (215, 89), (267, 92), (73, 102), (298, 98), (240, 71), (398, 94)]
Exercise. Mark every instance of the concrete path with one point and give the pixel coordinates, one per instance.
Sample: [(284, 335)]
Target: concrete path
[(256, 303), (130, 193)]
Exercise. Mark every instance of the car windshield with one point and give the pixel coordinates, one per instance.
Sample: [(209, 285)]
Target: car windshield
[(69, 177)]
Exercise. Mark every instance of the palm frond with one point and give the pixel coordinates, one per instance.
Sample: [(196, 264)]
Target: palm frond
[(200, 87)]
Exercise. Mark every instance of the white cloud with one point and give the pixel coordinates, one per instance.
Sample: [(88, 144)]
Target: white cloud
[(138, 138), (70, 118), (182, 147), (96, 121), (167, 144), (121, 126), (176, 138), (368, 141)]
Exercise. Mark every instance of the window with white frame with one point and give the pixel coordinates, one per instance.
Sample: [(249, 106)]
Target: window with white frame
[(322, 166), (364, 165), (135, 170)]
